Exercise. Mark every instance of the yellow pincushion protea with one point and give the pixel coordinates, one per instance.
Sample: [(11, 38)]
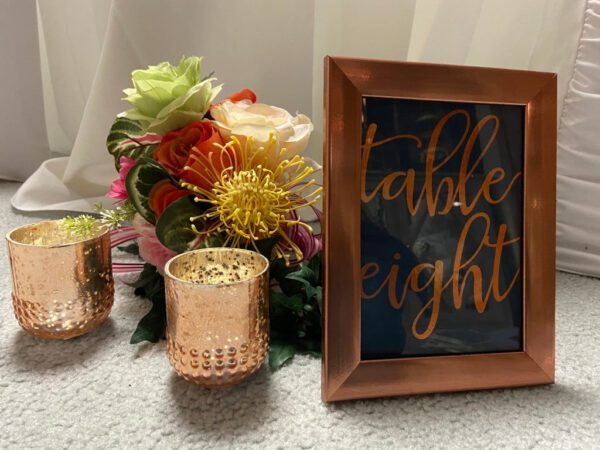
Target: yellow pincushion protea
[(256, 196)]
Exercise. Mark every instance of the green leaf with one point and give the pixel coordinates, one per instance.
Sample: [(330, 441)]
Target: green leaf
[(151, 163), (122, 137), (147, 276), (279, 353), (212, 240), (308, 278), (132, 249), (279, 271), (316, 264), (305, 276), (319, 298), (122, 128), (152, 326), (151, 285), (265, 246), (296, 310), (174, 228), (279, 299), (139, 182)]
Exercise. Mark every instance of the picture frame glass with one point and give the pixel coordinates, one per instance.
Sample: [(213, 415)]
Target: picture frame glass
[(441, 228)]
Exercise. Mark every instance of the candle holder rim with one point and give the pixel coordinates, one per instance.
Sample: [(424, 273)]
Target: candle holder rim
[(168, 273), (102, 231)]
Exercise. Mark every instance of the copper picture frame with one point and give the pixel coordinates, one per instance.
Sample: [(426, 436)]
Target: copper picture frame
[(345, 375)]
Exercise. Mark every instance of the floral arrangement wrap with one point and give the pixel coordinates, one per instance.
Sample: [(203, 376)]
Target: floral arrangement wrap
[(194, 173)]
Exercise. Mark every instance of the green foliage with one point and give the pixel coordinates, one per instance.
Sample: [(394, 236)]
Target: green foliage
[(174, 228), (265, 246), (280, 351), (123, 140), (139, 182), (114, 218), (295, 311), (151, 285), (84, 226), (212, 240)]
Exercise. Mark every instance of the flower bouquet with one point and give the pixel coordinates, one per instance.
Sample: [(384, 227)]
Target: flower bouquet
[(195, 173)]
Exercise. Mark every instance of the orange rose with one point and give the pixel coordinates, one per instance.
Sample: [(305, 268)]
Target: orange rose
[(240, 96), (162, 195), (174, 148), (244, 94), (200, 171)]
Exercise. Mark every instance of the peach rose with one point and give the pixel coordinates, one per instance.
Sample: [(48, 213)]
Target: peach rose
[(244, 118)]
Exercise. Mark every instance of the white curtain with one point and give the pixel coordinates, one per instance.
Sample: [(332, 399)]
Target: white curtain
[(64, 91), (578, 204), (23, 142)]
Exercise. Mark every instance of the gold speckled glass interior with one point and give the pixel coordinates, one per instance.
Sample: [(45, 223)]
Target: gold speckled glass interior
[(216, 266), (48, 234)]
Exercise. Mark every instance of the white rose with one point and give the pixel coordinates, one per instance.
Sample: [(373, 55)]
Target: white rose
[(244, 119)]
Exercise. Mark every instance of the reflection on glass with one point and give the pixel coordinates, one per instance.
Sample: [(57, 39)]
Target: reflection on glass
[(441, 228)]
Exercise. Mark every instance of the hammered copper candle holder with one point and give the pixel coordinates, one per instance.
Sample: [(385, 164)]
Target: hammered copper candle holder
[(62, 284), (217, 315)]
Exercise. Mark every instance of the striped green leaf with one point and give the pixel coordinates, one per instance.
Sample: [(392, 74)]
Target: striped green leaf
[(174, 228), (128, 138), (139, 182)]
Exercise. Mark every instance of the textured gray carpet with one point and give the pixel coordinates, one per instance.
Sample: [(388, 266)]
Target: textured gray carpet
[(100, 392)]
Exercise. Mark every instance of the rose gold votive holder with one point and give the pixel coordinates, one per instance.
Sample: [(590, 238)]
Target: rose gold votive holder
[(62, 285), (217, 315)]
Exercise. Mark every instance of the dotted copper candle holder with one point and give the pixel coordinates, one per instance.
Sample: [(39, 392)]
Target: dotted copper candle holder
[(217, 315), (62, 284)]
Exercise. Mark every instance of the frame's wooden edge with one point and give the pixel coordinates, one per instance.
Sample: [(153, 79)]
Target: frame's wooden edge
[(540, 225), (472, 84), (325, 230), (334, 129), (356, 386), (346, 61), (325, 373), (467, 84)]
